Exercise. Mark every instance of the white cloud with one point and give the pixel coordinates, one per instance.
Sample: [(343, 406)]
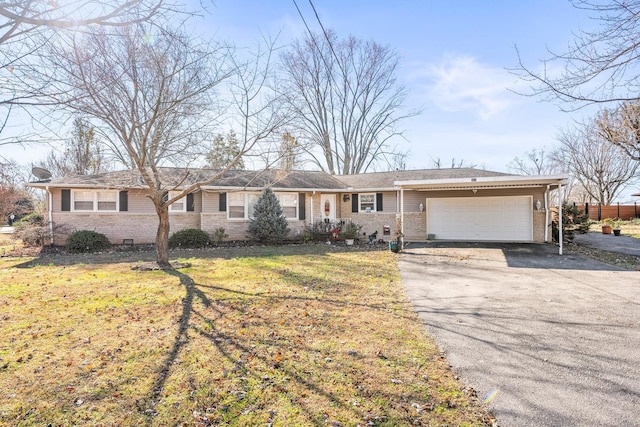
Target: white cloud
[(462, 84)]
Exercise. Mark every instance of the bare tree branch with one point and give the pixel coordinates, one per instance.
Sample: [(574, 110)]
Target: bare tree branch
[(345, 98), (602, 169), (600, 66), (156, 103)]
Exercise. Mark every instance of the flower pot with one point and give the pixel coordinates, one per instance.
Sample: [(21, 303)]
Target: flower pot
[(616, 232), (349, 242), (606, 229)]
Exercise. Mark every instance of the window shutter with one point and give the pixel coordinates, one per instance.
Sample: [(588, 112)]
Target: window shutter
[(124, 201), (190, 203), (66, 200), (379, 202), (223, 202), (301, 206), (354, 203)]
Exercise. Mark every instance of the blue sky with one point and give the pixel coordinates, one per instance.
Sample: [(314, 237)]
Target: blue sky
[(455, 56)]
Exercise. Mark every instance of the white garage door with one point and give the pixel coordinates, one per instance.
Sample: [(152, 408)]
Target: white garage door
[(481, 218)]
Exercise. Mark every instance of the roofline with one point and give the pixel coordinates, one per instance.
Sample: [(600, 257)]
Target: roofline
[(493, 181), (204, 187)]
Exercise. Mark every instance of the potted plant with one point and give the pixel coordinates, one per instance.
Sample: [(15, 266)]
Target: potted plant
[(335, 233), (395, 245), (616, 224), (607, 226), (350, 231)]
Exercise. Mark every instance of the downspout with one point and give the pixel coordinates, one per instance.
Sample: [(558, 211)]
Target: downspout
[(50, 212), (546, 214)]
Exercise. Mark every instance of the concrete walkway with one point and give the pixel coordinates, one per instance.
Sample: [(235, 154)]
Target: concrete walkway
[(608, 242)]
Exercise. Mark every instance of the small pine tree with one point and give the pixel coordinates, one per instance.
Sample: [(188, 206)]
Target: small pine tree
[(574, 220), (268, 224)]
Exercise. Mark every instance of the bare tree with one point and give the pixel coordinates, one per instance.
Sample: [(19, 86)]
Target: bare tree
[(14, 199), (621, 127), (82, 155), (28, 26), (224, 150), (438, 163), (289, 152), (397, 161), (154, 102), (602, 169), (345, 100), (600, 65), (534, 162)]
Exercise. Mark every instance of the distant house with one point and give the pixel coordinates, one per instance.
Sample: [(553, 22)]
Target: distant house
[(463, 204)]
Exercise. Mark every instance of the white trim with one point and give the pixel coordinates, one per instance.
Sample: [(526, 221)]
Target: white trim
[(483, 182), (375, 202)]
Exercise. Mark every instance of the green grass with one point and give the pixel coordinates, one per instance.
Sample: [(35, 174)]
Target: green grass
[(289, 336)]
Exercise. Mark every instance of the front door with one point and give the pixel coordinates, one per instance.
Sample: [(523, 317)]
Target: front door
[(328, 207)]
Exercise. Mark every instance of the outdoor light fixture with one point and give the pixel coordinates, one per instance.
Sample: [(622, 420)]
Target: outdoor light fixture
[(346, 198), (538, 205), (421, 207)]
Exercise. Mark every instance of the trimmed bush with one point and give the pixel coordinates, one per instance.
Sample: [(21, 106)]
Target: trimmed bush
[(31, 229), (189, 238), (85, 241)]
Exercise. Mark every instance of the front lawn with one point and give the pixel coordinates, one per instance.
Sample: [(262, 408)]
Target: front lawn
[(287, 336)]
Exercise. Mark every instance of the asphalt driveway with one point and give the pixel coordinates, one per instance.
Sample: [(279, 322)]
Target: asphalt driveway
[(551, 340)]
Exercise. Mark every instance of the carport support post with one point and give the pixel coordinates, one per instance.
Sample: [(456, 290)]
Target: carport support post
[(401, 218), (560, 199)]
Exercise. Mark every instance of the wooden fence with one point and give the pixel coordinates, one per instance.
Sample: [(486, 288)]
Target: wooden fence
[(598, 212)]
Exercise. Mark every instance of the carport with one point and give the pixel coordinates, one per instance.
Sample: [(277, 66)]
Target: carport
[(507, 208)]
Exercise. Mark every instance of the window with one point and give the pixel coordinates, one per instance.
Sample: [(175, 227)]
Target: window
[(289, 203), (90, 201), (83, 200), (367, 202), (107, 200), (235, 205), (242, 205), (179, 205)]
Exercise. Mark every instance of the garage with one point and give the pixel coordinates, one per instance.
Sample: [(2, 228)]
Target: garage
[(500, 218)]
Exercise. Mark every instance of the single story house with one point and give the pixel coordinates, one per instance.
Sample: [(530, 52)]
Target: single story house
[(463, 204)]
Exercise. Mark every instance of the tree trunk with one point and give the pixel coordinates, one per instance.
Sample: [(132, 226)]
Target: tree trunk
[(162, 236)]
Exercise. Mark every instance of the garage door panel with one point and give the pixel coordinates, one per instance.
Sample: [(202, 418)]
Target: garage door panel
[(481, 218)]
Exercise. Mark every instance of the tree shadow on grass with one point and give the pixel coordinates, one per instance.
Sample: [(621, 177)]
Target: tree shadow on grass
[(229, 344)]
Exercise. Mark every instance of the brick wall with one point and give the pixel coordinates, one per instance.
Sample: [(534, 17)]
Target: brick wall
[(118, 226)]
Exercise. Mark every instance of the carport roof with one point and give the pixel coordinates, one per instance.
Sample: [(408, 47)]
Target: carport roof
[(389, 180), (482, 182)]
